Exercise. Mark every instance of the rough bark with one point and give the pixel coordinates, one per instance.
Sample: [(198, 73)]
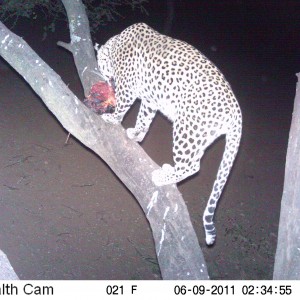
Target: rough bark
[(81, 44), (177, 248), (6, 270), (287, 259)]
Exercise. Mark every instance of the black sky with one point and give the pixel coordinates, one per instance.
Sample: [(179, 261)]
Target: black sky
[(240, 25)]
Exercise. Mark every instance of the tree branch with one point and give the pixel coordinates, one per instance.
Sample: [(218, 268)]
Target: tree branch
[(177, 248), (287, 258), (81, 45), (67, 46)]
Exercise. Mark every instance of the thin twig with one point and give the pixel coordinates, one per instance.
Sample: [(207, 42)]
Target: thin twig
[(83, 185), (79, 214), (67, 140), (67, 46), (21, 160)]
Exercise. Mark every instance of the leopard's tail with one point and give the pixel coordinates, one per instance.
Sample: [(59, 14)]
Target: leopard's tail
[(233, 138)]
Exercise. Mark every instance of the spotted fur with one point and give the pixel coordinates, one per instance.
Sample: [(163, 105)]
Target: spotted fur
[(174, 78)]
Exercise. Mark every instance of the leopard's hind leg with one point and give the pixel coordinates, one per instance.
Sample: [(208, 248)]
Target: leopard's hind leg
[(186, 155)]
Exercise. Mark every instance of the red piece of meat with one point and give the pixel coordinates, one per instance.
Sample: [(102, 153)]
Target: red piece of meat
[(101, 98)]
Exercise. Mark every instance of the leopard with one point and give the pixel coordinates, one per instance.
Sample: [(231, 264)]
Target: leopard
[(172, 77)]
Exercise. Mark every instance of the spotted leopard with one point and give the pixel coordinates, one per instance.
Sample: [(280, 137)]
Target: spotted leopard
[(174, 78)]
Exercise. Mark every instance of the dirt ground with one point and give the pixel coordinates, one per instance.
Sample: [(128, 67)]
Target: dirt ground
[(64, 215)]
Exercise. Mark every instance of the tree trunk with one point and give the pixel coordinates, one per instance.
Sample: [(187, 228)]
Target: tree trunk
[(177, 248), (287, 259)]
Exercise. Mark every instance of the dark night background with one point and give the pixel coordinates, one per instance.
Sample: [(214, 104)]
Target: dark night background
[(63, 214)]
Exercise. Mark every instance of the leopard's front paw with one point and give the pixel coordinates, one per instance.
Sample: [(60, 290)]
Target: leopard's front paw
[(110, 118), (135, 135), (164, 176)]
